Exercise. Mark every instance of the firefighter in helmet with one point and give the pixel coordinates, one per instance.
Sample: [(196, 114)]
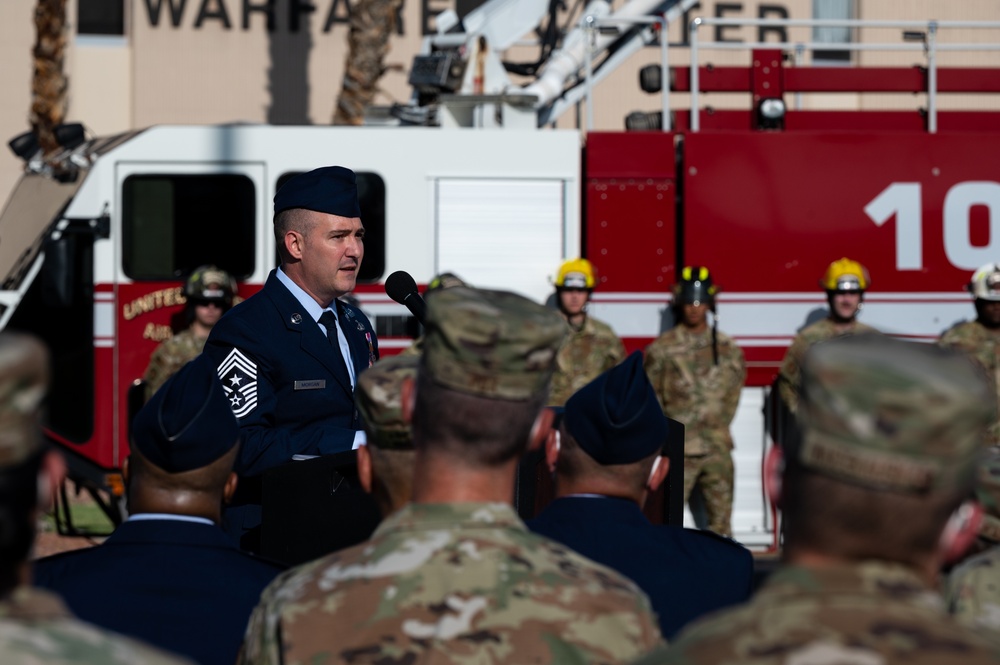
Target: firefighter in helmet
[(209, 292), (698, 373), (845, 283), (592, 346), (980, 339)]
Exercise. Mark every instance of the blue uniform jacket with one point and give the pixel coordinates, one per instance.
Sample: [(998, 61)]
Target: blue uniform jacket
[(289, 391), (685, 572), (181, 586)]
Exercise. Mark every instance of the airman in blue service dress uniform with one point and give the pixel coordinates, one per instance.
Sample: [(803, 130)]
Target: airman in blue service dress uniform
[(169, 575), (289, 379), (606, 457)]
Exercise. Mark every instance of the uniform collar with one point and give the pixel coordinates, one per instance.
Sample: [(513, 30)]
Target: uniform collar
[(311, 306), (450, 516), (141, 517), (892, 581)]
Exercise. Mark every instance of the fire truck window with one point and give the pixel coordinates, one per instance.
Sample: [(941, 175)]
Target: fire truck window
[(371, 195), (175, 223), (835, 34), (100, 17)]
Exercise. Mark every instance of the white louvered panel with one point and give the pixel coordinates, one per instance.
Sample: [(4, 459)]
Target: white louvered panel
[(503, 234)]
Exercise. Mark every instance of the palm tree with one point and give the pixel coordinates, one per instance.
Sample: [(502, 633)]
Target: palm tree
[(49, 84), (371, 23)]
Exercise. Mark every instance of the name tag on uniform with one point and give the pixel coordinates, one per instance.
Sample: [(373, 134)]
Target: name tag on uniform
[(314, 384)]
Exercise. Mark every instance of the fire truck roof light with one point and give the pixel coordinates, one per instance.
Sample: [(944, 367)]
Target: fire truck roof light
[(772, 109)]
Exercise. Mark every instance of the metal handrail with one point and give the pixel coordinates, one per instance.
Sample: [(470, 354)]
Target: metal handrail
[(930, 47), (591, 24)]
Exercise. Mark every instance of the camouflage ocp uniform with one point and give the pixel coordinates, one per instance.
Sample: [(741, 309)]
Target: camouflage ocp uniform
[(37, 629), (874, 613), (790, 373), (983, 345), (451, 583), (704, 396), (973, 592), (169, 356), (587, 353), (893, 418), (973, 587)]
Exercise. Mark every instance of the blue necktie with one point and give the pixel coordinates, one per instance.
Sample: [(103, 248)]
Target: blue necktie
[(329, 320)]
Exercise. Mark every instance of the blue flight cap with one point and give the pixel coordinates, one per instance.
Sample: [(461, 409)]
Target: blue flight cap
[(188, 423), (331, 189), (616, 418)]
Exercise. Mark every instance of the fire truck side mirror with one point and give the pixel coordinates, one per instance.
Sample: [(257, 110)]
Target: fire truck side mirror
[(136, 399), (57, 272)]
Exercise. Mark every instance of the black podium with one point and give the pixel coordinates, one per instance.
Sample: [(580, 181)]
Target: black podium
[(317, 506), (314, 507)]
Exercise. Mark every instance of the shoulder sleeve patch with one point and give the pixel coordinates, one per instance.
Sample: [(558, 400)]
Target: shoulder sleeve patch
[(239, 379)]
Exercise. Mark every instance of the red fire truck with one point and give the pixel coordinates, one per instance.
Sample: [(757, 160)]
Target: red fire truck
[(94, 243)]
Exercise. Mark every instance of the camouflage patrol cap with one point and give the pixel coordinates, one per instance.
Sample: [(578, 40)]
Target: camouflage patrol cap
[(380, 401), (492, 344), (445, 280), (988, 493), (24, 380), (892, 415)]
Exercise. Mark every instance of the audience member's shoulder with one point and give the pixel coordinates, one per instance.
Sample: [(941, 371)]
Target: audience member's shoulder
[(35, 628), (304, 578), (559, 560), (264, 564), (713, 543), (46, 569)]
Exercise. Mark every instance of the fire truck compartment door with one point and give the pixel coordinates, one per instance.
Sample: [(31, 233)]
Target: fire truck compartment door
[(502, 233)]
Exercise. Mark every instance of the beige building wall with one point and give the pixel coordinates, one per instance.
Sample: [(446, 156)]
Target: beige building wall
[(225, 65), (17, 35), (212, 61)]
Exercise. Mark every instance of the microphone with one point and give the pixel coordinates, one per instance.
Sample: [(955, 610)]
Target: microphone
[(400, 287)]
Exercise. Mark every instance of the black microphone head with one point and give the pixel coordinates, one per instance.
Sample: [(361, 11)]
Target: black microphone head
[(400, 284)]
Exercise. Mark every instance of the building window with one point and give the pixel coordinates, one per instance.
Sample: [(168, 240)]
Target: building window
[(833, 9), (100, 17), (371, 197), (175, 223)]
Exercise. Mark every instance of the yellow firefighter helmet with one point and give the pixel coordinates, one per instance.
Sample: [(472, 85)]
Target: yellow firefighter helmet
[(846, 275), (576, 274)]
